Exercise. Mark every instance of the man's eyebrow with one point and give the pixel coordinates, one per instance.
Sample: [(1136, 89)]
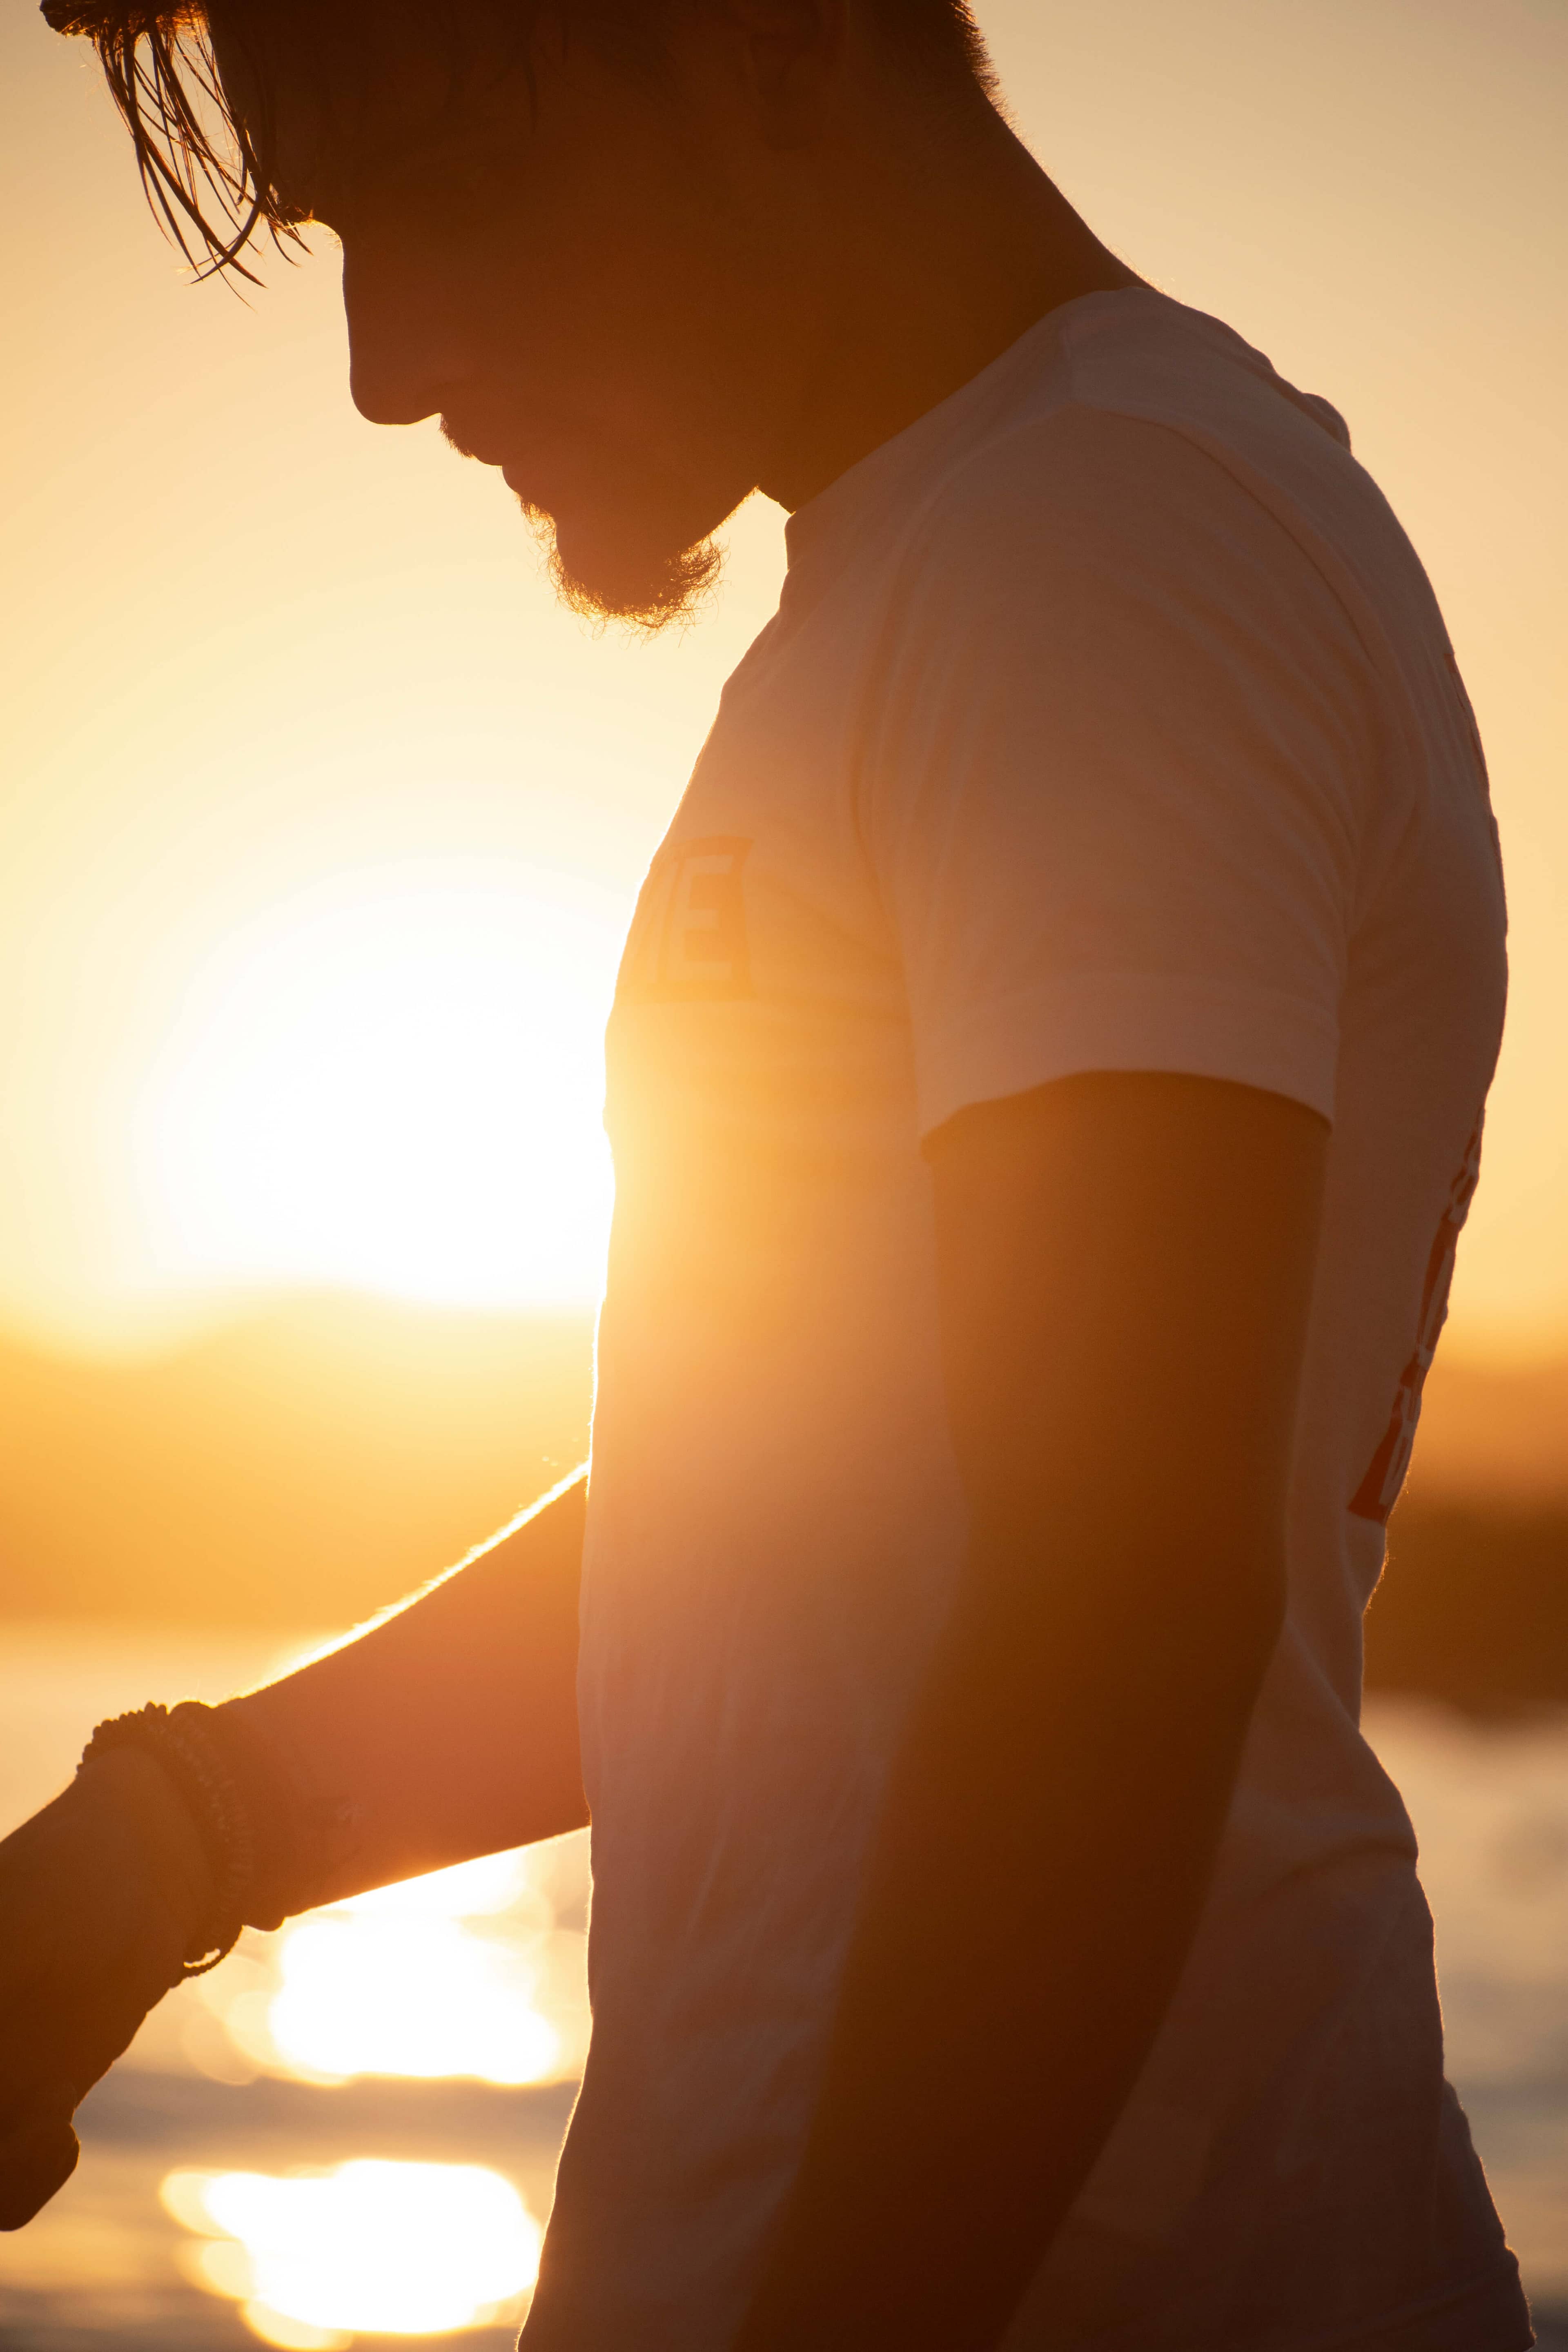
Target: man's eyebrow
[(310, 196), (368, 163), (365, 159)]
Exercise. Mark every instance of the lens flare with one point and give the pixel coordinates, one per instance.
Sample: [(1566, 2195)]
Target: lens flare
[(368, 2248)]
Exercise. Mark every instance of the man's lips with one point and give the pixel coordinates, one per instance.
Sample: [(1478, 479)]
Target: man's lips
[(541, 460), (488, 452), (553, 464), (477, 445), (489, 449)]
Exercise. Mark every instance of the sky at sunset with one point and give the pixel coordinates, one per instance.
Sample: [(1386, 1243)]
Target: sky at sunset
[(320, 825)]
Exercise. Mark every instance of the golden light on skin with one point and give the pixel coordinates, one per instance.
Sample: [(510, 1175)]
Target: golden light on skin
[(393, 1080), (401, 1982), (316, 2258)]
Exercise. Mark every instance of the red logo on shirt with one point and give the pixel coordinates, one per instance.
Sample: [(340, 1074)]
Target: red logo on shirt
[(688, 935), (1379, 1490)]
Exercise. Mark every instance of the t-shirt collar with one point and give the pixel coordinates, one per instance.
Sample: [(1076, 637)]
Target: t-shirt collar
[(888, 476)]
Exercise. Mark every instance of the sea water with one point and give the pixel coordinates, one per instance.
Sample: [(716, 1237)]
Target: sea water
[(250, 2169)]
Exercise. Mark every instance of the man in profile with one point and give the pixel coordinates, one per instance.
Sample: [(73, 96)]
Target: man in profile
[(1046, 1080)]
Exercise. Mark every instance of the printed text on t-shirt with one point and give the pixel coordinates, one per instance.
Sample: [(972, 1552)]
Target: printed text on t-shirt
[(688, 935)]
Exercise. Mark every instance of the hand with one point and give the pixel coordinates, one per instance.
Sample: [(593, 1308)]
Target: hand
[(102, 1895)]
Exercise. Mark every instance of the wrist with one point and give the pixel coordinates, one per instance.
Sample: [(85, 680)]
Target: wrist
[(180, 1744), (133, 1787), (299, 1834)]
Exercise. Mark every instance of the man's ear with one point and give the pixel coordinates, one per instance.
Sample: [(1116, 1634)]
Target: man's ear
[(791, 54)]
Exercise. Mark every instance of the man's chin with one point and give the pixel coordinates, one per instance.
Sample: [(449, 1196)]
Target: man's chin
[(608, 570)]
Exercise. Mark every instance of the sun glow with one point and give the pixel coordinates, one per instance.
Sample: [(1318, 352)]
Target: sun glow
[(368, 2248), (462, 1973), (419, 1997), (392, 1080)]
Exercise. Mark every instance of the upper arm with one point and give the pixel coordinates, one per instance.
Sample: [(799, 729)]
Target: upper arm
[(1126, 1266), (1117, 802)]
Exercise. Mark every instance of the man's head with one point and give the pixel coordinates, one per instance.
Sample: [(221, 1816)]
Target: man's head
[(588, 234)]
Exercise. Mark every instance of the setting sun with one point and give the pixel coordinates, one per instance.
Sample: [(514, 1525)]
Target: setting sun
[(391, 1080)]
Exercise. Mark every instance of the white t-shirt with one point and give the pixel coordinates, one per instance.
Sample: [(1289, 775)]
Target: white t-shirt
[(1107, 723)]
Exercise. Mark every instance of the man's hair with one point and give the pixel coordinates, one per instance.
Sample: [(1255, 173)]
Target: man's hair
[(209, 172)]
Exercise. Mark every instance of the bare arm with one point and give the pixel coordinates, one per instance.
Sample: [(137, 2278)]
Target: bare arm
[(1126, 1267), (447, 1730), (450, 1728)]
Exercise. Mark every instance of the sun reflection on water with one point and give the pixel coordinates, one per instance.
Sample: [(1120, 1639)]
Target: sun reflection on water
[(421, 1997), (462, 1973), (368, 2248)]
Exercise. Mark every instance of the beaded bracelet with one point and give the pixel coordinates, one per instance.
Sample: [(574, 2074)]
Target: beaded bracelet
[(182, 1742)]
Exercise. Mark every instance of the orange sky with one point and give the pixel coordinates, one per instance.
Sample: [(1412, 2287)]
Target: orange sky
[(319, 824)]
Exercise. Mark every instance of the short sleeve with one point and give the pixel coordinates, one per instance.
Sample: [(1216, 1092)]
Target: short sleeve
[(1116, 775)]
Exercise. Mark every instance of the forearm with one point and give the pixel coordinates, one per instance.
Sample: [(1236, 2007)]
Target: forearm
[(448, 1729), (1074, 1785)]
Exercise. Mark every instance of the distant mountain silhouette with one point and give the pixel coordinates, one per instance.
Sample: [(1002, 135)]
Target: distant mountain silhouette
[(299, 1468), (1473, 1605), (304, 1466)]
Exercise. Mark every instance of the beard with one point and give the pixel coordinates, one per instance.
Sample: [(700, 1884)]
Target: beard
[(625, 543), (626, 566)]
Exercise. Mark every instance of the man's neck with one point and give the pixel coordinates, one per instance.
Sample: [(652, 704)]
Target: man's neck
[(942, 255)]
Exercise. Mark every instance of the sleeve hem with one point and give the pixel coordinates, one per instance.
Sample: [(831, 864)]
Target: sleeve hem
[(1261, 1037)]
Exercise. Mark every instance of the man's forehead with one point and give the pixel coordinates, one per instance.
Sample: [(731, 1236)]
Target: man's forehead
[(333, 114)]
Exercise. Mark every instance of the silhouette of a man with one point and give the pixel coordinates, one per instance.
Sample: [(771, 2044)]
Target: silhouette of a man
[(1045, 1082)]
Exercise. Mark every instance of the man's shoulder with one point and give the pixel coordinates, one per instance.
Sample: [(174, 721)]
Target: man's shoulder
[(1145, 354), (1144, 442), (1103, 415)]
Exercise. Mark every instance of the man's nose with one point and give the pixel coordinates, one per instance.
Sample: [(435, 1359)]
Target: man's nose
[(405, 357)]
